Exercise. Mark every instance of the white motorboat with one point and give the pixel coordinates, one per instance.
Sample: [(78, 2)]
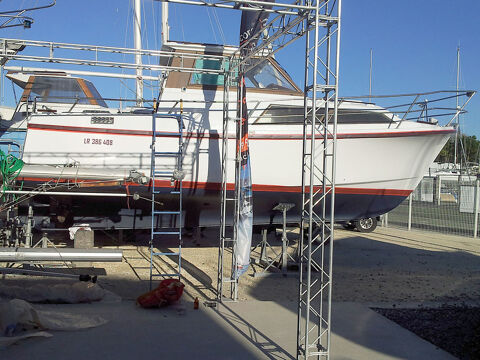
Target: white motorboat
[(74, 140)]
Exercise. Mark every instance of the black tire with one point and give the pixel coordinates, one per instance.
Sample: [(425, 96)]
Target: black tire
[(348, 225), (365, 225)]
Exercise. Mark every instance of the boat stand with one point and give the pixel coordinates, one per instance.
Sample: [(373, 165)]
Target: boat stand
[(279, 263)]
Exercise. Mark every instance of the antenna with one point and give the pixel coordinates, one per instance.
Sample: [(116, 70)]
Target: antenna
[(25, 21), (370, 85), (458, 117), (137, 33)]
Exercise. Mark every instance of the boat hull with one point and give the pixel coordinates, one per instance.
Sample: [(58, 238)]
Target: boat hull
[(377, 167), (202, 207)]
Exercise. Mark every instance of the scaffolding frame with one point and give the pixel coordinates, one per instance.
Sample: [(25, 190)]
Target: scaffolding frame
[(227, 270), (99, 56), (319, 21), (318, 182)]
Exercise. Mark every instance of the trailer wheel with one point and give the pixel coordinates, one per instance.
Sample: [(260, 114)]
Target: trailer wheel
[(366, 225)]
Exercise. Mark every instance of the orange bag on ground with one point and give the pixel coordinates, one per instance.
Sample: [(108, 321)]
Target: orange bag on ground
[(167, 292)]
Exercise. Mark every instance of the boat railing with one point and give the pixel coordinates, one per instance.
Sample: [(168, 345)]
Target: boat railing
[(426, 107), (35, 104), (23, 104), (9, 143)]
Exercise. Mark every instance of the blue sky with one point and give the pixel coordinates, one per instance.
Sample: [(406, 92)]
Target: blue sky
[(414, 42)]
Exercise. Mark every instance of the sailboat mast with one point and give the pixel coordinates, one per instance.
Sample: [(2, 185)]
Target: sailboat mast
[(165, 27), (457, 127), (370, 83), (137, 31)]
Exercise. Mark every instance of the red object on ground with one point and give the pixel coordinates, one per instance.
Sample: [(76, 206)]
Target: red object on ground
[(167, 292)]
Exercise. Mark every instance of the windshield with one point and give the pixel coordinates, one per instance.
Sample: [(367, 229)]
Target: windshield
[(263, 75), (65, 90)]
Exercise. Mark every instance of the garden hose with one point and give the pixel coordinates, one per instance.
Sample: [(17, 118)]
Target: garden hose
[(10, 167)]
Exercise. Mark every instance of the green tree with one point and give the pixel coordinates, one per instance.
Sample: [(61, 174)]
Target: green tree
[(468, 150)]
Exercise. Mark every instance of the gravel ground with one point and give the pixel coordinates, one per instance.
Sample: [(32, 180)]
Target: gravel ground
[(453, 329)]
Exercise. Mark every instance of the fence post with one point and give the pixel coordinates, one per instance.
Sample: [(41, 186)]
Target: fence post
[(410, 198), (439, 189), (475, 211)]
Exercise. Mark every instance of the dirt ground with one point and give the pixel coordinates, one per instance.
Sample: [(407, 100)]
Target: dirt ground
[(389, 267)]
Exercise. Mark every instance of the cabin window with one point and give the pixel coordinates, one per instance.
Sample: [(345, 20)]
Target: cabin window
[(363, 116), (63, 90), (281, 115), (294, 115), (57, 90), (207, 79)]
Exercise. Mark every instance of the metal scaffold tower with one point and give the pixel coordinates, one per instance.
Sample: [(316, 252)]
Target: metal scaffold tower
[(319, 22), (227, 281), (318, 181)]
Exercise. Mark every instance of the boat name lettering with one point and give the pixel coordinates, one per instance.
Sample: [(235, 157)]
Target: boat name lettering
[(102, 120), (97, 141)]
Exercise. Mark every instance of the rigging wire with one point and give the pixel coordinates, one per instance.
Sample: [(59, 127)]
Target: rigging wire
[(222, 34), (217, 22), (155, 25), (14, 93), (54, 184), (180, 21), (126, 87), (207, 9)]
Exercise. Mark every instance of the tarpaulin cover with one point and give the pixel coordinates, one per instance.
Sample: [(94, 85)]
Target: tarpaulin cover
[(17, 316)]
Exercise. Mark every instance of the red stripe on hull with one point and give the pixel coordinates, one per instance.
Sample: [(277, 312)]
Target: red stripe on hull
[(211, 186), (124, 132)]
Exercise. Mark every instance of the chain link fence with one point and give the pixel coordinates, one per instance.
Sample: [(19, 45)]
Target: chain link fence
[(445, 204)]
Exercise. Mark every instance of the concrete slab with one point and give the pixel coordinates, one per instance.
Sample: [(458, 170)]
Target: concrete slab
[(244, 330)]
